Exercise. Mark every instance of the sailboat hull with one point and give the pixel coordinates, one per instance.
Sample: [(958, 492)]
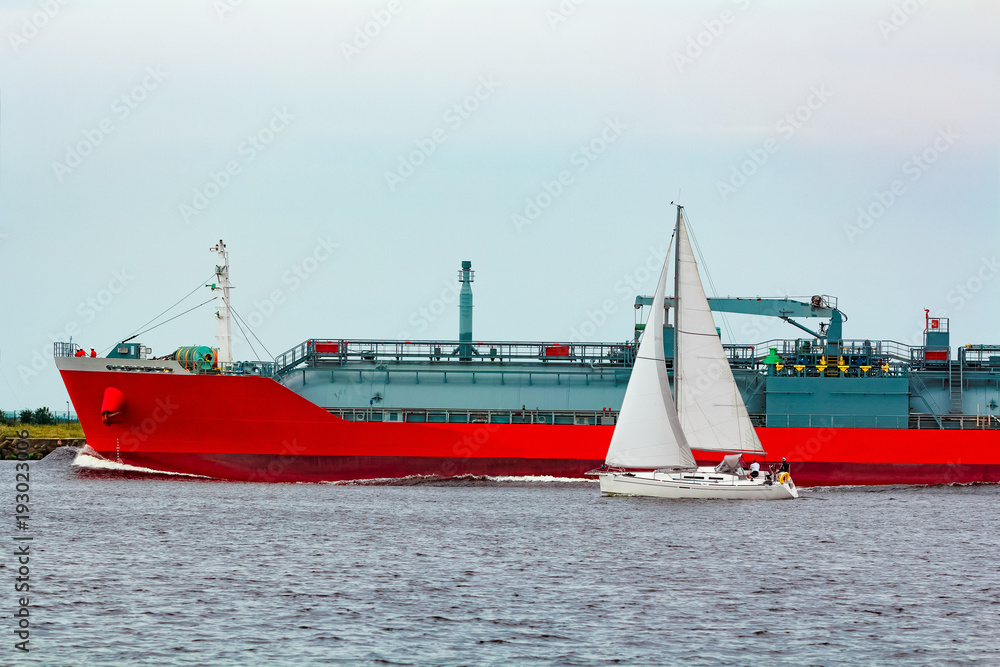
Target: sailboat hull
[(705, 484)]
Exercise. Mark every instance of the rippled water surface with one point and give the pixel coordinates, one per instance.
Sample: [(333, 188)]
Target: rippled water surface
[(169, 570)]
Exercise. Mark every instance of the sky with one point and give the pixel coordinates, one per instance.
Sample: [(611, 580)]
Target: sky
[(352, 154)]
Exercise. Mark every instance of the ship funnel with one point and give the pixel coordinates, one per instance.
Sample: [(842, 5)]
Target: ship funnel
[(465, 276)]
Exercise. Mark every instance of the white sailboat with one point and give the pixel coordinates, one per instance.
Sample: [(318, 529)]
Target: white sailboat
[(650, 451)]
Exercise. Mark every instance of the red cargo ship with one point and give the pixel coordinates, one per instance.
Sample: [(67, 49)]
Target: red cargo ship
[(841, 411)]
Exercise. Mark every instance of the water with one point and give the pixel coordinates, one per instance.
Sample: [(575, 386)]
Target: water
[(168, 570)]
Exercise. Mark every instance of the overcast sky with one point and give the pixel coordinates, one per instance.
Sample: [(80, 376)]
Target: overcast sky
[(352, 154)]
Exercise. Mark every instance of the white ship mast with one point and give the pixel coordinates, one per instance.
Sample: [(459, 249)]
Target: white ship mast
[(223, 338)]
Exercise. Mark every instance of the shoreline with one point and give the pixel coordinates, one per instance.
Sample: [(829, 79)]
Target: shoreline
[(38, 448)]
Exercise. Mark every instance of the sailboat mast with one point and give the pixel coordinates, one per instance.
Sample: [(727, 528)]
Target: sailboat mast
[(677, 311)]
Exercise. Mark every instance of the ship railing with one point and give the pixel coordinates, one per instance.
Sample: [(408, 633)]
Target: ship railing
[(911, 421), (954, 422), (875, 349), (473, 416), (262, 368), (896, 370), (743, 356), (918, 389), (981, 356), (784, 347), (323, 352), (853, 353), (61, 349), (850, 370), (921, 357), (292, 358), (774, 420), (609, 417)]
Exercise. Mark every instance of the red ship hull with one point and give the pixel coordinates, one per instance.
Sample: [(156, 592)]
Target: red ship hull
[(254, 429)]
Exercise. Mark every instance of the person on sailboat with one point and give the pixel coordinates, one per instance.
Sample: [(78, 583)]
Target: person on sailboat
[(783, 467), (754, 469)]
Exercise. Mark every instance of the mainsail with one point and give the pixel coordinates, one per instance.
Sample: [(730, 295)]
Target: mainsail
[(709, 404), (648, 433)]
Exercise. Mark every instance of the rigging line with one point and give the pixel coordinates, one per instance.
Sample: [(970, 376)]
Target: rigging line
[(172, 318), (12, 393), (711, 283), (252, 332), (247, 338), (200, 285), (669, 247), (239, 318), (238, 325)]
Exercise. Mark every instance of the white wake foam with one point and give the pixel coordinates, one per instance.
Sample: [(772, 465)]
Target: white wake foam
[(94, 461), (87, 458), (542, 479), (460, 479)]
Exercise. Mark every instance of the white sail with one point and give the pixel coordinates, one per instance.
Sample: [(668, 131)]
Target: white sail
[(711, 409), (648, 432)]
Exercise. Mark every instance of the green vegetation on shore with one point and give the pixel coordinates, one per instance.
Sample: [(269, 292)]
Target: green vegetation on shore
[(63, 430)]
